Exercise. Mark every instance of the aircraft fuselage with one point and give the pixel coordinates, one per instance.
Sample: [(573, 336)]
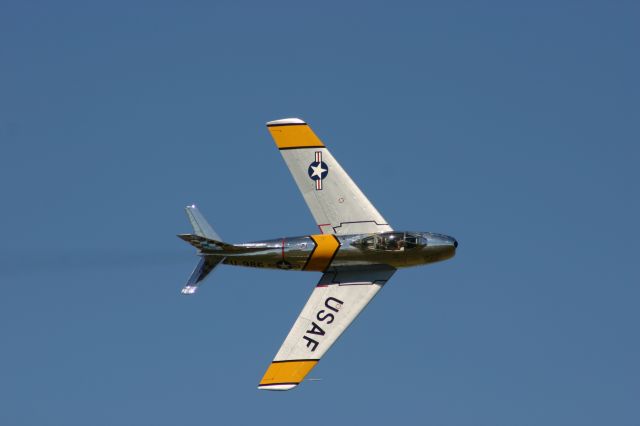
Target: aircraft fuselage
[(319, 252)]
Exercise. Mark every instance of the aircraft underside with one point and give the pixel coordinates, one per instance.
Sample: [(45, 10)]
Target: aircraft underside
[(357, 251)]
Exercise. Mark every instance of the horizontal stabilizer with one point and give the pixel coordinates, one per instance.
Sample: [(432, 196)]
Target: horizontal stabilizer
[(202, 269), (200, 225)]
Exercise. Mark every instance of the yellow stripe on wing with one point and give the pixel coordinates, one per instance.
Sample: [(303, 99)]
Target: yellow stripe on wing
[(287, 372), (295, 135)]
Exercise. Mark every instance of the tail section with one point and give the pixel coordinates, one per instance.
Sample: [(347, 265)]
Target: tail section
[(204, 239), (206, 245)]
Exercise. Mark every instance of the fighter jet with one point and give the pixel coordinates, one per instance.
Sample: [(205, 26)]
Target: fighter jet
[(356, 250)]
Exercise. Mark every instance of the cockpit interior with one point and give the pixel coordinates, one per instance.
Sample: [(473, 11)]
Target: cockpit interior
[(391, 241)]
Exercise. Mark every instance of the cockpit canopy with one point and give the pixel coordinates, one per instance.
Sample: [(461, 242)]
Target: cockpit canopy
[(391, 241)]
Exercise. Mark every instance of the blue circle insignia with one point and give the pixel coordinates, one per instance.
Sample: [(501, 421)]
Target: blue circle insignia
[(318, 170)]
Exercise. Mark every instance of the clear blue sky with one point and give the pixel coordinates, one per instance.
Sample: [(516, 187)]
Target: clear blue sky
[(512, 126)]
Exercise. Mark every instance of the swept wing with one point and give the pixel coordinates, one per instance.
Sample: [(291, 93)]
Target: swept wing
[(336, 202), (334, 303)]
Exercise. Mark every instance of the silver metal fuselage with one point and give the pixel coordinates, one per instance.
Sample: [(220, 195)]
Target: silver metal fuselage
[(295, 253)]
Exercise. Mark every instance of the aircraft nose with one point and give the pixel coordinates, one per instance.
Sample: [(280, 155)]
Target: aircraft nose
[(442, 241), (440, 247)]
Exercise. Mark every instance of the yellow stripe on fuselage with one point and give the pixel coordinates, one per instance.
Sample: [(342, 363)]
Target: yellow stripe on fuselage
[(290, 136), (326, 248), (284, 372)]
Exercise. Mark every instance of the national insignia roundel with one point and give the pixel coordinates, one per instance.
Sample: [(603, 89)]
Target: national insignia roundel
[(318, 170)]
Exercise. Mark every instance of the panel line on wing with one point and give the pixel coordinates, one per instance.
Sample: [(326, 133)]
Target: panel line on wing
[(336, 228), (301, 147)]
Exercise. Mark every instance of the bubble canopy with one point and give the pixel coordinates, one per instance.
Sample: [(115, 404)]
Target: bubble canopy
[(391, 241)]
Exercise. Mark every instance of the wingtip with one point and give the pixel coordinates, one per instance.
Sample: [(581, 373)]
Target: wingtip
[(280, 387), (285, 122)]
